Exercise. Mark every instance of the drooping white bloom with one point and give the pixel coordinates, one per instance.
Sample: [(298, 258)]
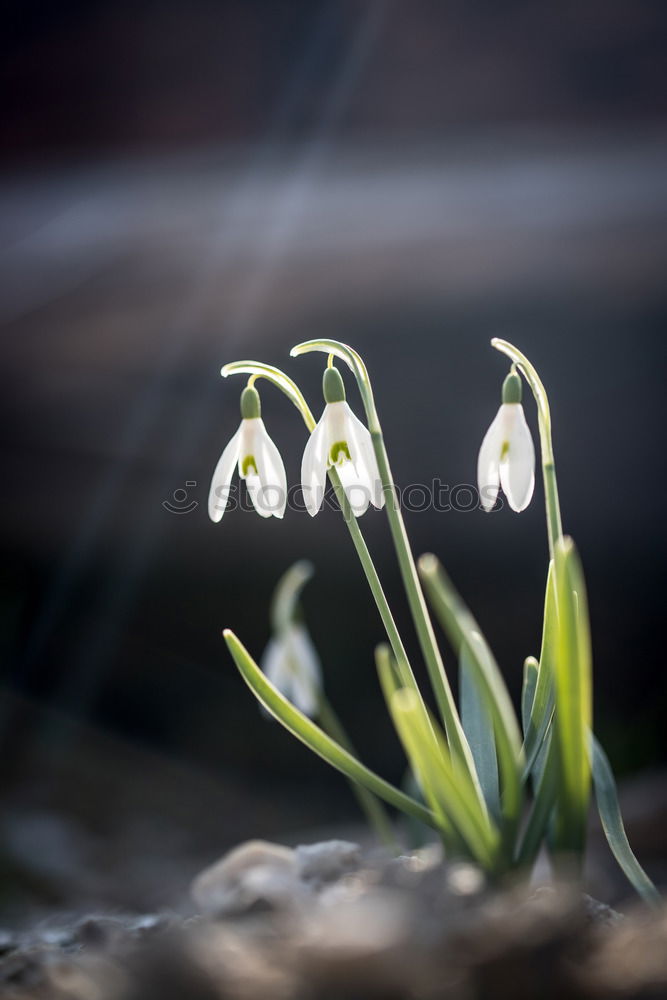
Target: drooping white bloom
[(291, 663), (507, 455), (258, 461), (341, 441)]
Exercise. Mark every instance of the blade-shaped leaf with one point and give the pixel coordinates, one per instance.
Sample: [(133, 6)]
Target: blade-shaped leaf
[(612, 824), (543, 804), (573, 690), (390, 682), (444, 788), (315, 739), (478, 727), (461, 627), (542, 706)]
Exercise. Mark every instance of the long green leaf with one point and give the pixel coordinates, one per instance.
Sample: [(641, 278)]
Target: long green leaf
[(442, 783), (612, 823), (573, 689), (542, 707), (390, 682), (461, 627), (478, 727), (315, 739), (418, 834), (542, 807)]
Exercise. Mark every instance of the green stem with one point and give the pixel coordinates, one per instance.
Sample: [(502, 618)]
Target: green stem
[(373, 580), (419, 610), (286, 595), (370, 805), (416, 600)]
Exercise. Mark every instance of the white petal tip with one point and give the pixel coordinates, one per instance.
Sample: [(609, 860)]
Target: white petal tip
[(519, 499), (519, 506), (488, 497)]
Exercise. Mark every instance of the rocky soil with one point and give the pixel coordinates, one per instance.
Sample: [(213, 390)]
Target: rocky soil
[(329, 920)]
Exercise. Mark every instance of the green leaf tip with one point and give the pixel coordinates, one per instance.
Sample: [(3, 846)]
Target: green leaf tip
[(427, 564)]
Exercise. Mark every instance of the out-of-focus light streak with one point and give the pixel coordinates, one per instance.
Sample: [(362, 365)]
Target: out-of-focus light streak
[(96, 643)]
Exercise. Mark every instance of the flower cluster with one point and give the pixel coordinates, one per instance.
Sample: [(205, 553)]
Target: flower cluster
[(341, 442)]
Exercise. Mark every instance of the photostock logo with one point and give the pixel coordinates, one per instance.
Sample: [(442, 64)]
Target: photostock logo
[(414, 498), (179, 503)]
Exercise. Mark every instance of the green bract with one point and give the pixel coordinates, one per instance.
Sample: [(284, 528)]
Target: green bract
[(494, 787)]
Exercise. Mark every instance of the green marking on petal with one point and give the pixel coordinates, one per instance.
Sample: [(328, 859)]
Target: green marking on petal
[(247, 464), (504, 451), (339, 452)]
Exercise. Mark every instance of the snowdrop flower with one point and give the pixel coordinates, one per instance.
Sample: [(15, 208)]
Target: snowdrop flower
[(290, 660), (259, 463), (507, 455), (291, 663), (340, 441)]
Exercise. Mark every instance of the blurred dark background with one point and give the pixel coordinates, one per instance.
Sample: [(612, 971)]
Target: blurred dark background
[(186, 184)]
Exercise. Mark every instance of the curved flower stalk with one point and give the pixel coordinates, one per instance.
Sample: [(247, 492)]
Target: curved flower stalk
[(257, 370), (340, 441), (258, 461), (507, 455)]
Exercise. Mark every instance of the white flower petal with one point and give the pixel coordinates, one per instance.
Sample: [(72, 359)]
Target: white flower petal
[(314, 467), (356, 485), (248, 443), (304, 668), (273, 664), (363, 446), (265, 474), (336, 418), (291, 663), (304, 696), (517, 467), (488, 462), (306, 654), (222, 477), (260, 501), (271, 473)]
